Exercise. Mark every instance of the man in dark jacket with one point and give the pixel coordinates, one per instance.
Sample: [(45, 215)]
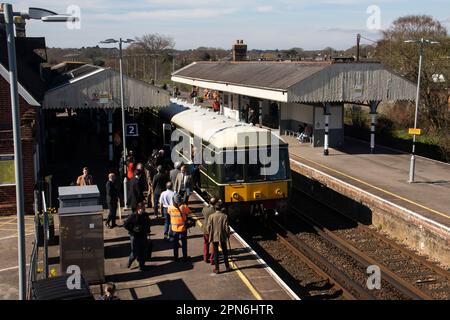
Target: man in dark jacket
[(138, 226), (135, 194), (112, 197), (159, 185)]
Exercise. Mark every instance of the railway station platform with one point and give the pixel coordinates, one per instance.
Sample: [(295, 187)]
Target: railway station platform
[(373, 188), (166, 279)]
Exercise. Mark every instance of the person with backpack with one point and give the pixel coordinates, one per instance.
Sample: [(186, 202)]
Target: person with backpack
[(138, 227)]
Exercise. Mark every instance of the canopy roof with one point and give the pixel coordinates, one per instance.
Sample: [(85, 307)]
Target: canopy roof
[(301, 82), (95, 87)]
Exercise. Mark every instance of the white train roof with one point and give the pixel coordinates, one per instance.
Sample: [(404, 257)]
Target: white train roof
[(220, 131)]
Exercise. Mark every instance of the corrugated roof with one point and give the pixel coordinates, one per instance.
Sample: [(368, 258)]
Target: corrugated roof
[(311, 82), (271, 75), (85, 86)]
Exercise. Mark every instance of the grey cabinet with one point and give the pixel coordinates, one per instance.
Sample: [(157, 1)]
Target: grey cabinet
[(81, 241), (78, 196)]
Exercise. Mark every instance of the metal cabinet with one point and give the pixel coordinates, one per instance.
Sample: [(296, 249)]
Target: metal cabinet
[(81, 241), (78, 196)]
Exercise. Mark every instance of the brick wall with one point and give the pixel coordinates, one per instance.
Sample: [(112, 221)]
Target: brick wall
[(28, 114)]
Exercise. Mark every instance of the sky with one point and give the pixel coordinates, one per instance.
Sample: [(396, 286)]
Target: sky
[(262, 24)]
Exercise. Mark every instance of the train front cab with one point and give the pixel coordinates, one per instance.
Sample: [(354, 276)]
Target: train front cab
[(245, 188)]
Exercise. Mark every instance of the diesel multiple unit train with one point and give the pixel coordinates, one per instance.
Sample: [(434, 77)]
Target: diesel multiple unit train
[(245, 166)]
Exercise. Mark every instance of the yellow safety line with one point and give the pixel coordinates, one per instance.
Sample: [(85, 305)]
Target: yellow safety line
[(7, 222), (375, 187), (243, 278)]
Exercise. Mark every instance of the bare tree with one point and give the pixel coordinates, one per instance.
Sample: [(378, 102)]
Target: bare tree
[(154, 43), (403, 57)]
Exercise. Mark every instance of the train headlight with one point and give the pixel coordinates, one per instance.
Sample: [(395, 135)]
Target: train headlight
[(279, 192), (235, 196)]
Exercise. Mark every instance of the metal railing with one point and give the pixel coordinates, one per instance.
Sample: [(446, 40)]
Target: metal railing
[(33, 267)]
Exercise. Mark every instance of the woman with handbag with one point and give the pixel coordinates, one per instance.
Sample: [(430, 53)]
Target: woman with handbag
[(178, 212), (138, 226)]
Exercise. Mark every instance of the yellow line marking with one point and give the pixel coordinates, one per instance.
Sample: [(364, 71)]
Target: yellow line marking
[(375, 187), (7, 222), (242, 276)]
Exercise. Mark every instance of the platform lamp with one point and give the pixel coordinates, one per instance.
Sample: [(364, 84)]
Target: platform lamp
[(7, 16), (125, 180), (422, 42)]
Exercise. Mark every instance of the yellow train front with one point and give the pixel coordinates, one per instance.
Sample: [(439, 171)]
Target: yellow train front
[(245, 166)]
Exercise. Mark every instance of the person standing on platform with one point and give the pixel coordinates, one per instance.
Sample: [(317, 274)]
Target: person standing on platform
[(174, 172), (165, 201), (85, 179), (135, 194), (138, 227), (183, 184), (207, 211), (159, 183), (178, 216), (130, 167), (219, 232), (112, 197)]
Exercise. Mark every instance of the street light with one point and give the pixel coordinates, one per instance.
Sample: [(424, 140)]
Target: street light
[(7, 17), (422, 43), (124, 157)]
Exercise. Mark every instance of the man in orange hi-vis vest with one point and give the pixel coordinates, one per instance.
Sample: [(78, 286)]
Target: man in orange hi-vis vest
[(178, 212)]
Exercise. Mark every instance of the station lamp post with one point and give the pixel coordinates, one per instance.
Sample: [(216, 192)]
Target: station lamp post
[(124, 156), (422, 42), (7, 17)]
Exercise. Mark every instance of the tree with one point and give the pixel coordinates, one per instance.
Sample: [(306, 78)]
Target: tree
[(154, 43), (403, 57)]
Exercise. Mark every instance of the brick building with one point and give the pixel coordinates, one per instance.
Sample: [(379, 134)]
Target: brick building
[(31, 92)]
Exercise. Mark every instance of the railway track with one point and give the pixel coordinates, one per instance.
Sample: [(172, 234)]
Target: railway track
[(411, 275)]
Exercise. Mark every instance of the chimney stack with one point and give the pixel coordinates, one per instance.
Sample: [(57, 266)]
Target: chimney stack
[(239, 51)]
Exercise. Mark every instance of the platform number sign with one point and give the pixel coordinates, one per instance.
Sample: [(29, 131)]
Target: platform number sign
[(132, 130)]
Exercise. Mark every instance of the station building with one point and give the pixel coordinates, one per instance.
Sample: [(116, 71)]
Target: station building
[(287, 94)]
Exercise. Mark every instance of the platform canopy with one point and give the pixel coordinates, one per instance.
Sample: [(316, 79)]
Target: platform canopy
[(95, 87), (301, 82)]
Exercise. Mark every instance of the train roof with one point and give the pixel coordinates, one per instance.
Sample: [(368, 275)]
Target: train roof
[(218, 130)]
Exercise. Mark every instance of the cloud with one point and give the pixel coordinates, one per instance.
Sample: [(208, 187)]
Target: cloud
[(264, 9), (163, 14)]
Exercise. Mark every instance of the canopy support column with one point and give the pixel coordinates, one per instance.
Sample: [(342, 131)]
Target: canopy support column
[(373, 115), (327, 113)]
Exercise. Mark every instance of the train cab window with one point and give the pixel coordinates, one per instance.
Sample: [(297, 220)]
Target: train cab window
[(258, 171), (233, 166)]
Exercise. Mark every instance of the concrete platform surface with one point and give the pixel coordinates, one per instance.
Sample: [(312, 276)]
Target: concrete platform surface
[(384, 174), (192, 280), (9, 275)]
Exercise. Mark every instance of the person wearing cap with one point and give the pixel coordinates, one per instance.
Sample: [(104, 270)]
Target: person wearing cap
[(159, 185), (165, 201), (174, 172), (178, 212)]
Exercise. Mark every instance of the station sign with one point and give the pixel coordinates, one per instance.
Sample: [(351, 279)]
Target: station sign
[(415, 131), (132, 130)]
